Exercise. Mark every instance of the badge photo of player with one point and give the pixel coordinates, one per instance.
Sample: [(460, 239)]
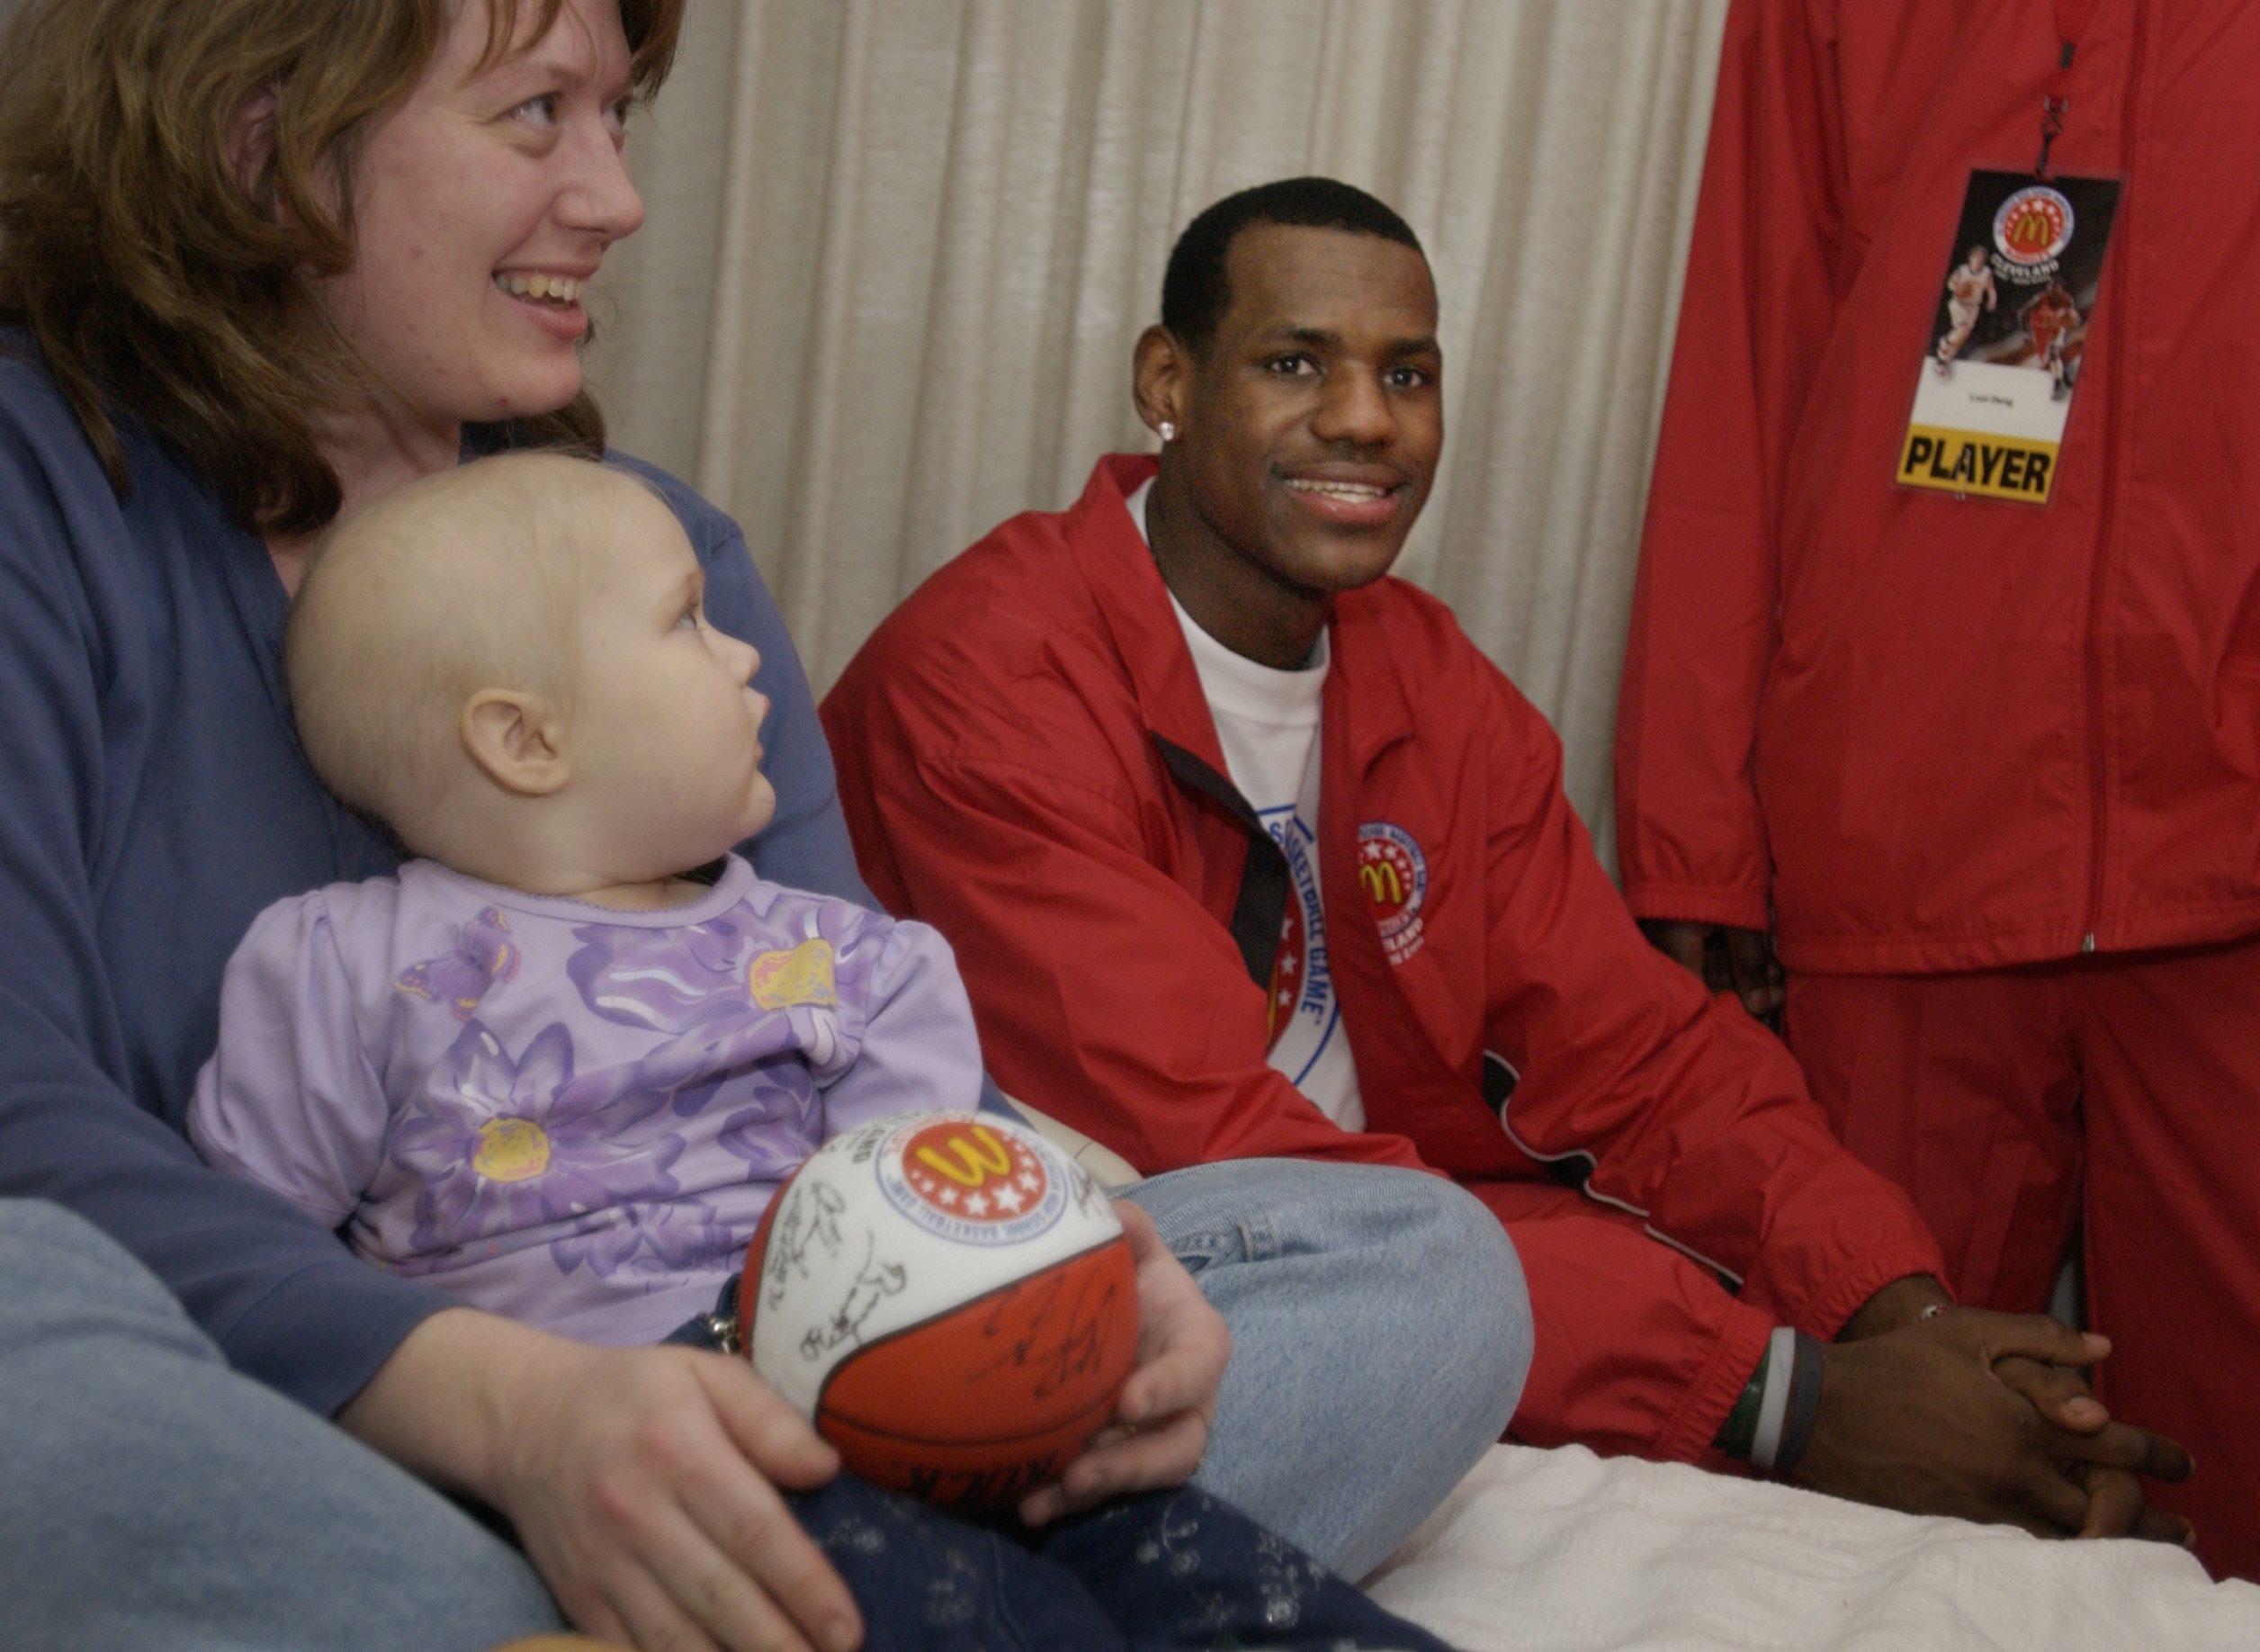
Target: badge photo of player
[(1968, 289), (2052, 321)]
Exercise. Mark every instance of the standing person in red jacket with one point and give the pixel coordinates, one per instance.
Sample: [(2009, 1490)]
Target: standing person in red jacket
[(1245, 849), (1989, 774)]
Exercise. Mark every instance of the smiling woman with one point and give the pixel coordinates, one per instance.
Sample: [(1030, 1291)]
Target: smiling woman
[(485, 198), (244, 143)]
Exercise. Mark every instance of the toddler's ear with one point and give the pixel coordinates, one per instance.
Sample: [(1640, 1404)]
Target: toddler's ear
[(516, 740)]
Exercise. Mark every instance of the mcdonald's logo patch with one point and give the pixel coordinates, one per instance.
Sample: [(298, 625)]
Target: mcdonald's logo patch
[(2033, 225), (966, 1179), (1393, 874)]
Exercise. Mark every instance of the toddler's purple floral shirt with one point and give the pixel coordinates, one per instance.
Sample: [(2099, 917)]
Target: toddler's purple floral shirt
[(566, 1114)]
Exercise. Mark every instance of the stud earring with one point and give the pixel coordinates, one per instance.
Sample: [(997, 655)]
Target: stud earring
[(1169, 432)]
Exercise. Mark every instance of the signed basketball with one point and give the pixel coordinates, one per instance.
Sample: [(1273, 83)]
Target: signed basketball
[(949, 1299)]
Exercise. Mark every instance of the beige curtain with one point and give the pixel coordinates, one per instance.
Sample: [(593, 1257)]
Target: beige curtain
[(898, 251)]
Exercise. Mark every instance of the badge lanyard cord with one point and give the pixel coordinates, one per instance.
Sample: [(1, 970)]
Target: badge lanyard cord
[(2072, 17)]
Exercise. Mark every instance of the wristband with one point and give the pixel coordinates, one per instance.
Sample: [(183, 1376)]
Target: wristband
[(1765, 1443), (1734, 1434), (1804, 1406)]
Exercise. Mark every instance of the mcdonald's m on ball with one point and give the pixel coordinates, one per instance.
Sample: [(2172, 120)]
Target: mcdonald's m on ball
[(949, 1300)]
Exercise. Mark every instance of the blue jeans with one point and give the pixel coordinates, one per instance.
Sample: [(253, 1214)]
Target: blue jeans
[(149, 1497), (1380, 1337)]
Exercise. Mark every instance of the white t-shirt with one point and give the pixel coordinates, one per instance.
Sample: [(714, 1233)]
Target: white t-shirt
[(1267, 722)]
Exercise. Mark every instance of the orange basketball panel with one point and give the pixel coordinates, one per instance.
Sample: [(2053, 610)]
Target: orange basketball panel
[(974, 1477), (1015, 1364)]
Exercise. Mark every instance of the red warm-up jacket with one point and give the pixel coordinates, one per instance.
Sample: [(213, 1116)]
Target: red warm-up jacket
[(1026, 761), (1936, 733)]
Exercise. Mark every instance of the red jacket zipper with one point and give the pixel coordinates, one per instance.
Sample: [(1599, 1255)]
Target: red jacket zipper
[(2098, 736)]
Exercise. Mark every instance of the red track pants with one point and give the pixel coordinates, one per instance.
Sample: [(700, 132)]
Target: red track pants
[(2121, 1096)]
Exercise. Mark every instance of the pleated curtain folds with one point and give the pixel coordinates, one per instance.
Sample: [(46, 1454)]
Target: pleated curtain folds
[(898, 252)]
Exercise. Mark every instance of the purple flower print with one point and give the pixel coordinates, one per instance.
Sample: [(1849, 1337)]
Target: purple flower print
[(677, 979), (500, 1146), (780, 1127), (662, 980), (482, 958), (648, 1241), (751, 1070)]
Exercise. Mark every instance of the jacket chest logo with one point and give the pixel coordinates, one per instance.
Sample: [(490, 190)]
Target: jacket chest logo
[(1392, 875)]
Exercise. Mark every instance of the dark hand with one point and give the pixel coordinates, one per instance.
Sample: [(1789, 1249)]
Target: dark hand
[(1726, 960), (2116, 1507), (1920, 1414)]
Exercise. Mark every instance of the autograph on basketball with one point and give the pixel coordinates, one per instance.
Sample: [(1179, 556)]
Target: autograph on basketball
[(810, 1220), (874, 1282), (1055, 1328)]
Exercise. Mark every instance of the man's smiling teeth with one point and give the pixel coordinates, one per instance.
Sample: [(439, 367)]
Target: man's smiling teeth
[(1338, 490), (552, 289)]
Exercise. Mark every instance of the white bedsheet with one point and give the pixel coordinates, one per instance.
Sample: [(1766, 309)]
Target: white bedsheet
[(1563, 1551)]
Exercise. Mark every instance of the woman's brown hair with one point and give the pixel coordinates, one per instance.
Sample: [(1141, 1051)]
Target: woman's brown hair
[(152, 283)]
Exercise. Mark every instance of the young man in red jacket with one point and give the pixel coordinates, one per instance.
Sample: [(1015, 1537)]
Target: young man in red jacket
[(1986, 768), (1245, 849)]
